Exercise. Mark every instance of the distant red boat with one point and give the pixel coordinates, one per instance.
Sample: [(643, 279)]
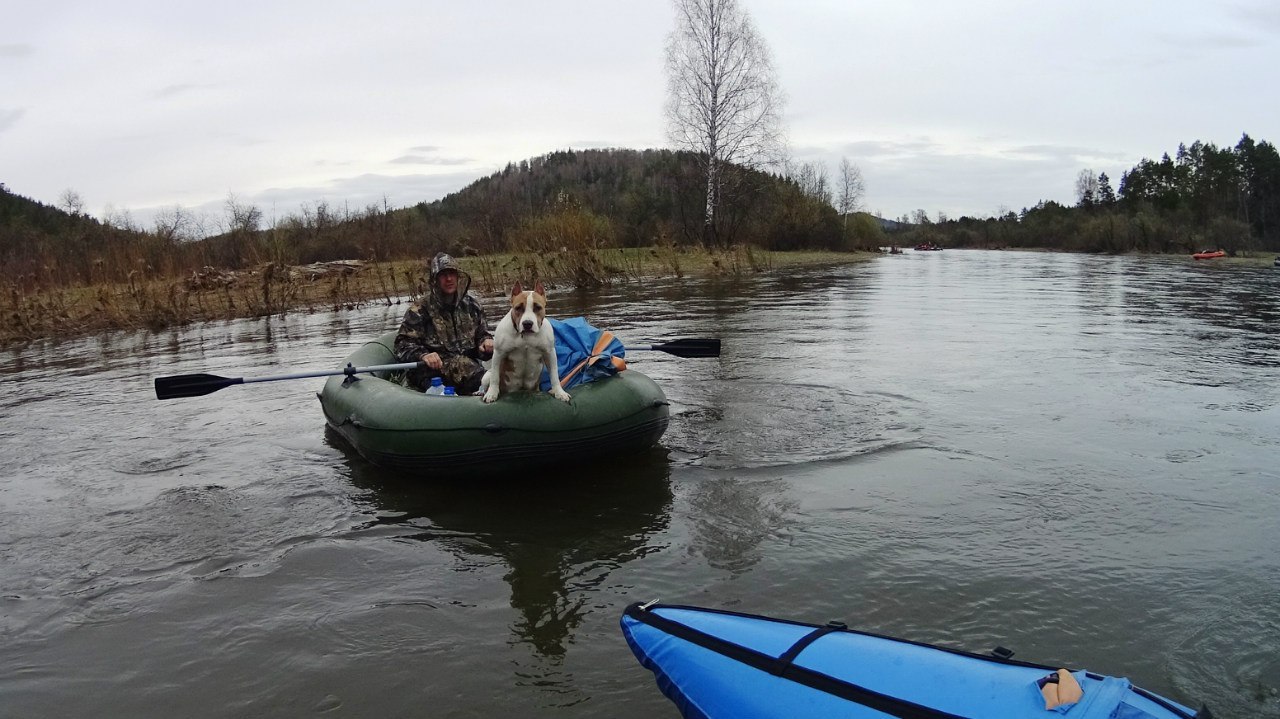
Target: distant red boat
[(1208, 254), (927, 247)]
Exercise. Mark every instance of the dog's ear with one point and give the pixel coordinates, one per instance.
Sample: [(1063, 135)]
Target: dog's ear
[(516, 289), (537, 287)]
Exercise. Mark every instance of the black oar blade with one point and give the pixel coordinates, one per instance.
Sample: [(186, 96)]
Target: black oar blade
[(192, 385), (691, 347)]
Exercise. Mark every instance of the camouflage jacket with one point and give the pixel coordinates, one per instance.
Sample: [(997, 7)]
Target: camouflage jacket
[(432, 325)]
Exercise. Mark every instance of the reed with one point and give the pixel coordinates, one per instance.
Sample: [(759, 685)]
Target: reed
[(34, 305), (668, 254)]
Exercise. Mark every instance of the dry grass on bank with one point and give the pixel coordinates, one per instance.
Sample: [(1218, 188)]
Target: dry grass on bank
[(212, 294)]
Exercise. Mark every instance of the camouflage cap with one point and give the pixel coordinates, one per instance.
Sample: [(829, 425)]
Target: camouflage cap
[(442, 262)]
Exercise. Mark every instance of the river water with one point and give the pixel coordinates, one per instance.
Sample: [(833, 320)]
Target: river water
[(1076, 457)]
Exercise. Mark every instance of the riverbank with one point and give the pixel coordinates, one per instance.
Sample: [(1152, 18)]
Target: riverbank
[(217, 294)]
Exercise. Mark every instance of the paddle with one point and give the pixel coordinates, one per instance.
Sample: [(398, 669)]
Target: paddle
[(196, 385), (690, 347)]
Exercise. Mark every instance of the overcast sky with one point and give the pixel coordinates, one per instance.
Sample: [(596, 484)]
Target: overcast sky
[(965, 107)]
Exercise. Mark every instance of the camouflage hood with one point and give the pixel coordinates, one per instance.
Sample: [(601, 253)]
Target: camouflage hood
[(442, 262)]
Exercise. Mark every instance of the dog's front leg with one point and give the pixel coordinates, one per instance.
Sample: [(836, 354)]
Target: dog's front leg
[(553, 369), (494, 376)]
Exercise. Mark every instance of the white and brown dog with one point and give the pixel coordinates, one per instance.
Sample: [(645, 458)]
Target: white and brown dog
[(522, 344)]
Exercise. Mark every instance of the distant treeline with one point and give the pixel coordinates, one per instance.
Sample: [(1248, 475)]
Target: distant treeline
[(1204, 197), (573, 199)]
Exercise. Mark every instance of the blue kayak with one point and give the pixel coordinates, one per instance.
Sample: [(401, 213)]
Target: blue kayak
[(716, 664)]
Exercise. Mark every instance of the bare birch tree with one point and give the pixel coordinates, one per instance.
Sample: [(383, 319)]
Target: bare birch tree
[(850, 193), (723, 100), (1086, 188), (852, 188)]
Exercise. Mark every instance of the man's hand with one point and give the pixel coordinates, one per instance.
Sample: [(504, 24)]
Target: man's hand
[(486, 346), (433, 360)]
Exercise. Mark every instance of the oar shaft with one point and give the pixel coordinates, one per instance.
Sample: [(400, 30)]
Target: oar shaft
[(332, 372), (198, 385)]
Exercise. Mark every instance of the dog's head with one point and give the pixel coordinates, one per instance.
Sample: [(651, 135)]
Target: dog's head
[(528, 308)]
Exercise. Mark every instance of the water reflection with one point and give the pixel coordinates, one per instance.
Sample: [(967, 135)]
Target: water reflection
[(733, 517), (559, 536)]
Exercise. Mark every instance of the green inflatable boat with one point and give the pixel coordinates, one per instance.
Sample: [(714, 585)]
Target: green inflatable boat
[(398, 427)]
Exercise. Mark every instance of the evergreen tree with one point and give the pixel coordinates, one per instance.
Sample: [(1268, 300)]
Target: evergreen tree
[(1106, 196)]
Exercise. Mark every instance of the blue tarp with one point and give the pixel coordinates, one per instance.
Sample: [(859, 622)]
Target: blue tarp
[(584, 353)]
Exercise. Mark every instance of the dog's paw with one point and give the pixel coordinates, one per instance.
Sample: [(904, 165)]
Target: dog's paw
[(491, 396), (561, 395)]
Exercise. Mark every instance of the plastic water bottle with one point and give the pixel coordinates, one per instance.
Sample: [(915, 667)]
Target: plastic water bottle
[(437, 386), (448, 392)]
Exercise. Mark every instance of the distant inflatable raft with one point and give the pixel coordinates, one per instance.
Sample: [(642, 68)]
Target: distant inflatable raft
[(715, 664), (395, 426)]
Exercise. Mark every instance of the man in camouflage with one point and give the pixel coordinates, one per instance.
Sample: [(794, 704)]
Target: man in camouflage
[(446, 329)]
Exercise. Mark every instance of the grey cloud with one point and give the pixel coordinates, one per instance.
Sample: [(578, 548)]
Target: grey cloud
[(1254, 24), (1221, 39), (889, 148), (428, 158), (901, 174), (1066, 152), (236, 139), (1264, 16), (970, 185), (400, 190), (169, 91), (16, 50), (869, 150), (9, 118), (353, 193)]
